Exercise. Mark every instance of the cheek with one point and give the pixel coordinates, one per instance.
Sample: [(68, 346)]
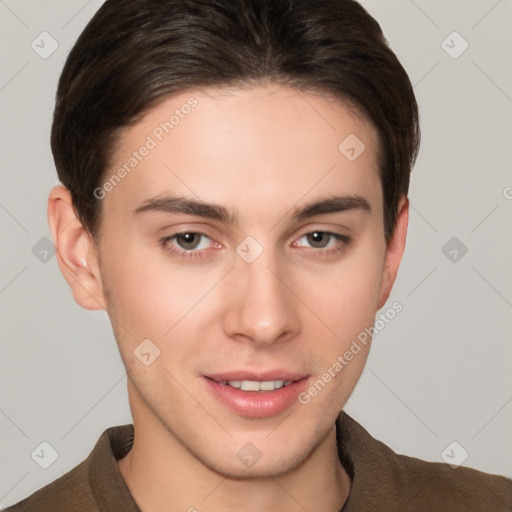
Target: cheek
[(148, 294), (345, 294), (156, 305), (171, 304), (345, 298)]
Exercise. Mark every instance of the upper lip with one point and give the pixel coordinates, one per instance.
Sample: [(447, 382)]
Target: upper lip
[(260, 376)]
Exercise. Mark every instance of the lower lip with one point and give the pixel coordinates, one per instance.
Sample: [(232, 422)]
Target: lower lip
[(257, 404)]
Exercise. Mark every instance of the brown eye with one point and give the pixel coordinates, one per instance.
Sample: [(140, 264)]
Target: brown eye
[(188, 241), (319, 239), (323, 243), (190, 245)]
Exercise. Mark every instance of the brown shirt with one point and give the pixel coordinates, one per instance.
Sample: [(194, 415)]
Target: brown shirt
[(381, 480)]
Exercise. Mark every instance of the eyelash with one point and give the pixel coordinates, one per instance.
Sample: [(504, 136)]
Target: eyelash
[(192, 254)]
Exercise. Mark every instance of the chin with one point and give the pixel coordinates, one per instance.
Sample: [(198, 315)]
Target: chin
[(268, 466), (259, 459)]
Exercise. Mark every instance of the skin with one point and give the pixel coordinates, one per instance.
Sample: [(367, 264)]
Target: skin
[(297, 306)]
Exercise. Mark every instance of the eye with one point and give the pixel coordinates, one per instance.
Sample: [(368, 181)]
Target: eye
[(190, 241), (324, 241), (319, 239), (188, 244)]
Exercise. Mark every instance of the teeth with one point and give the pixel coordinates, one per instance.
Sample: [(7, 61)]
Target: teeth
[(271, 384), (249, 385), (253, 385)]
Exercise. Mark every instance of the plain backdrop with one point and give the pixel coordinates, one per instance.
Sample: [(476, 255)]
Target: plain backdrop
[(439, 372)]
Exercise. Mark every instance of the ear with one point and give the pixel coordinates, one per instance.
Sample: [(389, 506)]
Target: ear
[(76, 253), (394, 251)]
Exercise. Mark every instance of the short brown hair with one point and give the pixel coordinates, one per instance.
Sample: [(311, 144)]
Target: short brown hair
[(134, 54)]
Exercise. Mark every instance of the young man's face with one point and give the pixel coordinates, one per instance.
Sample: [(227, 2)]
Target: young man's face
[(262, 295)]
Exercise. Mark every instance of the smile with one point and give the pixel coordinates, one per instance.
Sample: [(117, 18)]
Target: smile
[(255, 397)]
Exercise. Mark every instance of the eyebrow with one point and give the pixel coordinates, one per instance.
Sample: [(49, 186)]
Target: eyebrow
[(183, 205)]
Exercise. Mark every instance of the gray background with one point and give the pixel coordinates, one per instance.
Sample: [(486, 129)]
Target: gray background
[(439, 372)]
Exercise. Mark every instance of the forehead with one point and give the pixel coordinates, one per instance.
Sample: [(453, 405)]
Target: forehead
[(246, 145)]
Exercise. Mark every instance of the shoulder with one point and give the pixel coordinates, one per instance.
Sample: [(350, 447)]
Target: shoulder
[(385, 480), (95, 479), (438, 484), (69, 493)]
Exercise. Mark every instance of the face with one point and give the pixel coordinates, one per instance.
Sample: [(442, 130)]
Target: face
[(244, 246)]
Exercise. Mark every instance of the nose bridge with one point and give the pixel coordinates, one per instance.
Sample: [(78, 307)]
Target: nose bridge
[(262, 307)]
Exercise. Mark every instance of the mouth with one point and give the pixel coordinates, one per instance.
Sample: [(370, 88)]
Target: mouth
[(256, 395)]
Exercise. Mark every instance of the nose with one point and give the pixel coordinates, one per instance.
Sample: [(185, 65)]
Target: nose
[(262, 308)]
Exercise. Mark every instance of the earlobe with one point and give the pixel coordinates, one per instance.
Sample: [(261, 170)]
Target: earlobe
[(394, 251), (76, 254)]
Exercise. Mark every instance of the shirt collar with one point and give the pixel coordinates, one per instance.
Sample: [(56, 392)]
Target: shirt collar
[(107, 484)]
